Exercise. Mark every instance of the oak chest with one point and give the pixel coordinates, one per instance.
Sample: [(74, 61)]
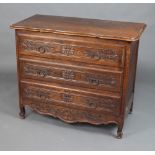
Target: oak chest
[(77, 70)]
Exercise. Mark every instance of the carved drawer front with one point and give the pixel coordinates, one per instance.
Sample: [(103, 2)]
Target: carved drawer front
[(71, 115), (98, 54), (48, 96), (76, 76)]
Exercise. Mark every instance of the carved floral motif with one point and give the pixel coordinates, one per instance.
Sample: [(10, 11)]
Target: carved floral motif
[(35, 46), (67, 97), (101, 103), (69, 115), (37, 93), (68, 74), (67, 50), (99, 80), (41, 72), (106, 54)]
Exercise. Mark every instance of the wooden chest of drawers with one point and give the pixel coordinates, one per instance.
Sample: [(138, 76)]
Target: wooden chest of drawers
[(78, 70)]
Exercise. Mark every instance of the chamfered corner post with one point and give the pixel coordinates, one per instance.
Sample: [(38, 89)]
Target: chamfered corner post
[(135, 69)]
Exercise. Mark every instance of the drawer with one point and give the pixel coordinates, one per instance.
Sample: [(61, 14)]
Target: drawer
[(72, 98), (99, 53), (72, 75)]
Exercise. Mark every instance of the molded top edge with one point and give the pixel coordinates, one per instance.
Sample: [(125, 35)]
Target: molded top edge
[(127, 31)]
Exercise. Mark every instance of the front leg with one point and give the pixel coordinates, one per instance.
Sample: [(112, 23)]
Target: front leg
[(22, 112), (131, 108), (119, 131)]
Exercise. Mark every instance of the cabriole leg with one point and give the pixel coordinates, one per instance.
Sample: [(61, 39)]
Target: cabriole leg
[(22, 112), (119, 131), (131, 108)]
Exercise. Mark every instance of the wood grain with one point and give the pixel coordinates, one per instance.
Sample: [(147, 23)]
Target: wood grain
[(127, 31), (77, 70)]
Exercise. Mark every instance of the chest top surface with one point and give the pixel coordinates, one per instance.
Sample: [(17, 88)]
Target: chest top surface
[(127, 31)]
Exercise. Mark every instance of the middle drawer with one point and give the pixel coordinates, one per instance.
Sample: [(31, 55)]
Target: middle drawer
[(71, 75)]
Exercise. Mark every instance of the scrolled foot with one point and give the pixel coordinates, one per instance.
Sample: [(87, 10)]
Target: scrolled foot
[(22, 113), (130, 112), (119, 135), (131, 108), (119, 131)]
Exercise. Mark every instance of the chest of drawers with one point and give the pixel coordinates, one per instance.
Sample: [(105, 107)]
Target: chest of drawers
[(77, 70)]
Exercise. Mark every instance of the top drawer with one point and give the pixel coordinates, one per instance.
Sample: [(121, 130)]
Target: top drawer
[(72, 48)]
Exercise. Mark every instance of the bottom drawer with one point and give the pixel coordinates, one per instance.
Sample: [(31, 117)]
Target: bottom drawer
[(43, 98)]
